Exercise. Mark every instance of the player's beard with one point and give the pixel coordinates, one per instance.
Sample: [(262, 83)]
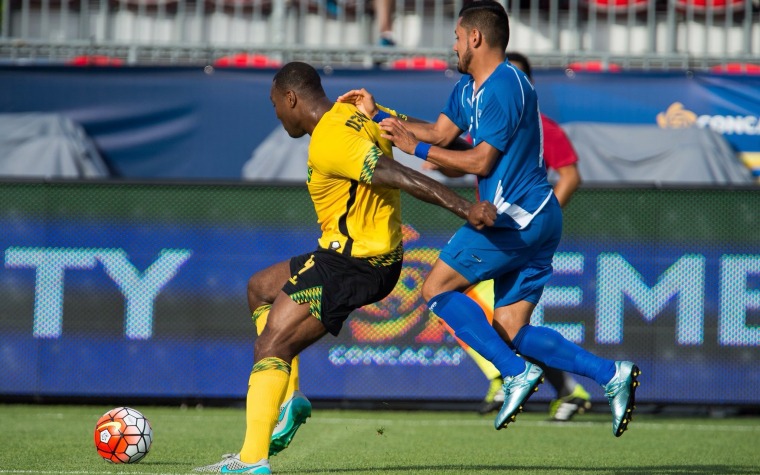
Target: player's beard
[(464, 60)]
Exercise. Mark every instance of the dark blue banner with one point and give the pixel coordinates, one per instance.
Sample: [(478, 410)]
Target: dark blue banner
[(135, 307), (189, 124)]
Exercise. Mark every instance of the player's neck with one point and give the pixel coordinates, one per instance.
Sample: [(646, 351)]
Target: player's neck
[(482, 68), (320, 108)]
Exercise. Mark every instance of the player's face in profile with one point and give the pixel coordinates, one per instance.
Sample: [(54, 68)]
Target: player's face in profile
[(285, 114), (462, 48)]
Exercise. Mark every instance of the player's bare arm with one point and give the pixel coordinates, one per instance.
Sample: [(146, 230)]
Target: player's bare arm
[(443, 132), (568, 182), (477, 161), (393, 174)]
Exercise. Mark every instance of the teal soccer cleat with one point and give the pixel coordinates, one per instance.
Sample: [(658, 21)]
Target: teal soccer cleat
[(293, 413), (621, 392), (517, 390), (231, 463)]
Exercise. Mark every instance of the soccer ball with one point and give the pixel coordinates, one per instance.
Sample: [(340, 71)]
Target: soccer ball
[(123, 435)]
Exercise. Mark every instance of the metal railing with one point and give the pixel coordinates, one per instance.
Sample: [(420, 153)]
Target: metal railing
[(630, 34)]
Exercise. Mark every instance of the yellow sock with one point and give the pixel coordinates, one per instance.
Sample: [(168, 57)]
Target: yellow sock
[(266, 390), (485, 366), (259, 317)]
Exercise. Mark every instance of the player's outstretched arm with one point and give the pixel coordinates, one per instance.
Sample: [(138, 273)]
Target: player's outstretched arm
[(395, 175), (477, 161), (443, 132)]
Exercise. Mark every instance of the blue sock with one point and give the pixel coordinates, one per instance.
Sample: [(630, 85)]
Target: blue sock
[(470, 325), (552, 349)]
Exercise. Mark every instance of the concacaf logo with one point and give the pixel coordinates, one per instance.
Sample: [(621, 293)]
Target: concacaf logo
[(677, 117)]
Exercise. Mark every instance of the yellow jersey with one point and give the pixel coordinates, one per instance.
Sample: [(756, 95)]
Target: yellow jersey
[(357, 219)]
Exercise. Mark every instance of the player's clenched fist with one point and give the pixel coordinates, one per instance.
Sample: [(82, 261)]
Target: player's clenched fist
[(482, 214)]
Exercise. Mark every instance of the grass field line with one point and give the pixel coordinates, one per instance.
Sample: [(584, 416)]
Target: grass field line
[(81, 472), (576, 424), (643, 425)]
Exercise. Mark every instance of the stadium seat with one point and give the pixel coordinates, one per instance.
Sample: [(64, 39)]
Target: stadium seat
[(737, 68), (618, 6), (95, 60), (420, 63), (246, 60), (594, 66), (714, 6)]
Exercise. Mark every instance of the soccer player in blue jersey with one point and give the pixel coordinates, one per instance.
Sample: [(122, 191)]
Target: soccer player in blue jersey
[(497, 105)]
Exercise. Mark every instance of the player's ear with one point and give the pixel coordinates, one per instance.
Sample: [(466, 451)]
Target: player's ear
[(290, 96), (476, 38)]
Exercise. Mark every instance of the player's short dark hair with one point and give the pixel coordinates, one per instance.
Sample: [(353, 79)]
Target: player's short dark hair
[(301, 78), (488, 17), (514, 56)]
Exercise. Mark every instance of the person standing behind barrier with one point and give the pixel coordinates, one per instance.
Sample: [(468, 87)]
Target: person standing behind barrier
[(384, 16), (498, 106), (559, 154), (354, 184)]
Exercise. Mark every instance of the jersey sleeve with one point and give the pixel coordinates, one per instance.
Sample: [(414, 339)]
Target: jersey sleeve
[(501, 115), (558, 151), (454, 109)]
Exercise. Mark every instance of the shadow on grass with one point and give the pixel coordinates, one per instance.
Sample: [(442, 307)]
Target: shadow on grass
[(651, 469)]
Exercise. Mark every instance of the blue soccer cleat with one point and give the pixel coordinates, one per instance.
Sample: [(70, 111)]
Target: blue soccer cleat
[(231, 463), (293, 413), (621, 392), (517, 390)]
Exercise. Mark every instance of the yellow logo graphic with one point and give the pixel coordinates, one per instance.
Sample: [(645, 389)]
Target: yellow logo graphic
[(676, 117), (109, 424)]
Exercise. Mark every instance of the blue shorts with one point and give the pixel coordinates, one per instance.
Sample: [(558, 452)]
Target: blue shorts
[(519, 261)]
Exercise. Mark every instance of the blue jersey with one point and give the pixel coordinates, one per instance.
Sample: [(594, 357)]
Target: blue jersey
[(504, 113)]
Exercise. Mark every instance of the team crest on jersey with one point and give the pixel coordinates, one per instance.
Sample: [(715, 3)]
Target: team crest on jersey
[(335, 245)]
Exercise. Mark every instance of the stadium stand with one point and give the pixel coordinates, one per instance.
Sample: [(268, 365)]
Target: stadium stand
[(246, 60), (737, 68), (593, 66), (419, 62), (94, 60), (636, 34)]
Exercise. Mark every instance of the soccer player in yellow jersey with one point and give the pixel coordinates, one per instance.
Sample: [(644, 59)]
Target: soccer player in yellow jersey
[(354, 184)]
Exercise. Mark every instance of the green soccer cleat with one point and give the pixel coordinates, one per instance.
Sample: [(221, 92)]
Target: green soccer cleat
[(564, 408), (231, 463), (621, 392), (517, 390), (293, 413)]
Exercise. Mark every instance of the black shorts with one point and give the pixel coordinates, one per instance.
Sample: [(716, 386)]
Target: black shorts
[(335, 285)]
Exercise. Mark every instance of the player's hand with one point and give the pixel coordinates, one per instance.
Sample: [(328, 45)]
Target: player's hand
[(395, 131), (362, 99), (482, 214)]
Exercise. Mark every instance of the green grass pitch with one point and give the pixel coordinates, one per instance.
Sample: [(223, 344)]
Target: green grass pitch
[(58, 439)]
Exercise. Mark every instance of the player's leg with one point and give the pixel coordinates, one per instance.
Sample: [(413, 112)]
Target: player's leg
[(263, 287), (474, 256), (572, 398), (290, 329), (516, 295), (443, 292), (469, 322), (482, 293)]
